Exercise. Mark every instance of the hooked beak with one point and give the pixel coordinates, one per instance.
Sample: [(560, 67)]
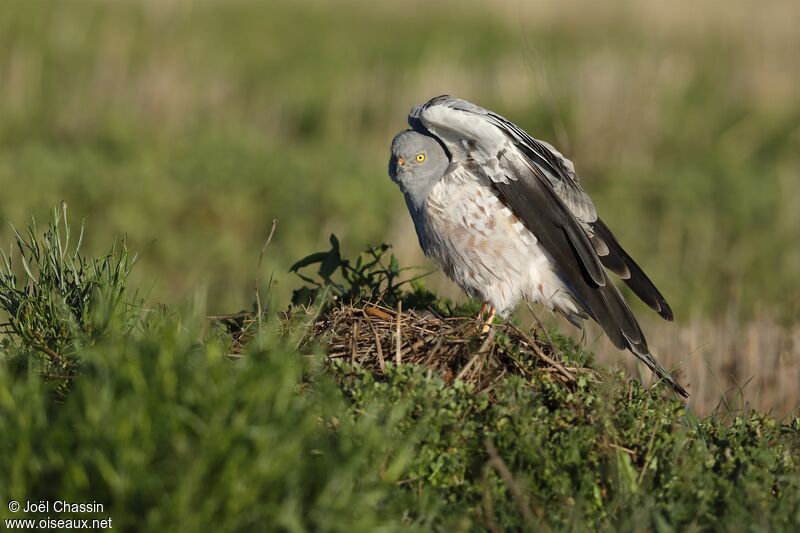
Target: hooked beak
[(394, 167)]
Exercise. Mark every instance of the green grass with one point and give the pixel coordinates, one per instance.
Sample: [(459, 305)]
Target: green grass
[(188, 127), (168, 433)]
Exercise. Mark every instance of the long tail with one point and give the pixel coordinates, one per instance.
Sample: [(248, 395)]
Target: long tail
[(607, 307)]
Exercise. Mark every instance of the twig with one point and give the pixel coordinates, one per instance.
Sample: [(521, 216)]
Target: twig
[(433, 352), (378, 348), (649, 457), (540, 354), (622, 449), (258, 274), (481, 351), (354, 341), (497, 462), (446, 346), (378, 313), (488, 508), (54, 356), (397, 356)]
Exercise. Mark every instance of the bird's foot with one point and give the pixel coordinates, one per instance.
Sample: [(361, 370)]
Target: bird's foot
[(484, 325)]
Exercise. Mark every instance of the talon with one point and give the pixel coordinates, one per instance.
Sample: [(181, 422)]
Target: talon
[(488, 323)]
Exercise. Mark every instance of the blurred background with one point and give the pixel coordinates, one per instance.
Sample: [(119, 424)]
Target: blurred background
[(190, 125)]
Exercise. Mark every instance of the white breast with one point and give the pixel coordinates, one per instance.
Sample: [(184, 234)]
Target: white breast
[(485, 249)]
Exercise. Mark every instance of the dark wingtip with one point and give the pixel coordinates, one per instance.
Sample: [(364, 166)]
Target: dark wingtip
[(666, 311), (414, 120), (638, 281)]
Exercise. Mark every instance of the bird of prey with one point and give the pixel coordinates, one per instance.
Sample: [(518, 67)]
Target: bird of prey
[(505, 216)]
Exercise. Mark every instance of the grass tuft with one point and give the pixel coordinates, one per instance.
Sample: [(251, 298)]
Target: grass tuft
[(57, 301)]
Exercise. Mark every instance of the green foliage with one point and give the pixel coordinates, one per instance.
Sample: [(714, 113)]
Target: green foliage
[(208, 120), (611, 455), (568, 349), (58, 300), (169, 433), (371, 277)]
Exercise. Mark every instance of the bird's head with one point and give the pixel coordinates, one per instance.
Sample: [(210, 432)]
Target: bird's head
[(416, 164)]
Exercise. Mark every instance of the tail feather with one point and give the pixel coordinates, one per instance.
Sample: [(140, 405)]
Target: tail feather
[(660, 371), (608, 308), (634, 341)]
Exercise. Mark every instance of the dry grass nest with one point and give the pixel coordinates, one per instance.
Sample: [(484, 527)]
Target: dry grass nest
[(373, 336)]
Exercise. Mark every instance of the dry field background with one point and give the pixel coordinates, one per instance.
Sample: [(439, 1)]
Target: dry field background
[(729, 366), (190, 126)]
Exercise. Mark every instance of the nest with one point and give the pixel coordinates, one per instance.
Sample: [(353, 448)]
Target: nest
[(373, 336)]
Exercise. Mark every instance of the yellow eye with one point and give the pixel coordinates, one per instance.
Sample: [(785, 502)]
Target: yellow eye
[(420, 158)]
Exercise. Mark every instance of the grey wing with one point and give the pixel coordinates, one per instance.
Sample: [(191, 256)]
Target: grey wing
[(472, 132), (558, 170)]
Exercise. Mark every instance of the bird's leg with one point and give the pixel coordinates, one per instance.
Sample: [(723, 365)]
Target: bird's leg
[(488, 323), (484, 307)]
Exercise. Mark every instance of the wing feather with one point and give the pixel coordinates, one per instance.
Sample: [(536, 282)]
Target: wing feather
[(443, 115), (618, 261)]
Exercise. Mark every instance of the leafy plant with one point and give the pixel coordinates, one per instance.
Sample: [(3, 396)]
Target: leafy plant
[(168, 433), (371, 277), (610, 455), (57, 300)]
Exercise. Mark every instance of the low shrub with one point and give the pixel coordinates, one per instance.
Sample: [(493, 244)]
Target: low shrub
[(158, 421)]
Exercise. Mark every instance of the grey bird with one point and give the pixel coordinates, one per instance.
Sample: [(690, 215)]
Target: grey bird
[(505, 216)]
